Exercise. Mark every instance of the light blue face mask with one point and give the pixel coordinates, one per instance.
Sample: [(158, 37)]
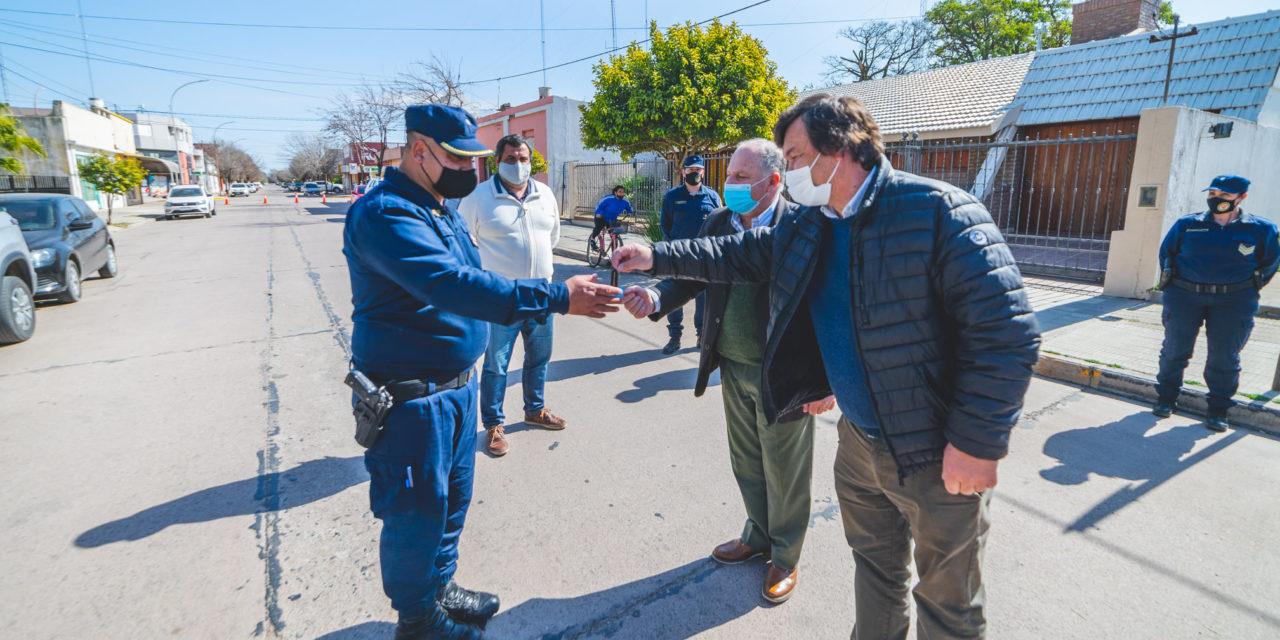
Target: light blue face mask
[(738, 196)]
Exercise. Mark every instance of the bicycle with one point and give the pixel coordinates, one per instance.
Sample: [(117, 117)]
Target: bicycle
[(599, 249)]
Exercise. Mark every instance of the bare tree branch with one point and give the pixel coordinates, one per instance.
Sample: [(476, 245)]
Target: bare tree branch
[(882, 49), (436, 80)]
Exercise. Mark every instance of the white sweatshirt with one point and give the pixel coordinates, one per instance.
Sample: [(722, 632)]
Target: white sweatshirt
[(515, 238)]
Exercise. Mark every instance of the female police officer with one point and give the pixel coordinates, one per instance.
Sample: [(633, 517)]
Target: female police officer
[(421, 302), (1214, 265)]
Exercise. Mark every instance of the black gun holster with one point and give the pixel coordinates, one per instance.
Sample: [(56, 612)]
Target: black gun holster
[(372, 405)]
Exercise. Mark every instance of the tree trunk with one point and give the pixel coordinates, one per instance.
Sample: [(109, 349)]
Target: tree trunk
[(108, 209)]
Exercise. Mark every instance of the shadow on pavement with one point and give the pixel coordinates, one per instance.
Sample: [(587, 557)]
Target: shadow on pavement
[(675, 604), (650, 386), (1122, 449), (1080, 310), (306, 483), (587, 366)]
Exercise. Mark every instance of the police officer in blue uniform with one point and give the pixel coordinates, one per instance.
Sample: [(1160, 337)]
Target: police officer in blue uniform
[(1214, 263), (684, 209), (422, 303)]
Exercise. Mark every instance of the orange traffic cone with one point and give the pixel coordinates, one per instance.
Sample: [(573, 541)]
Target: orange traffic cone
[(295, 199), (226, 200), (324, 199), (264, 199)]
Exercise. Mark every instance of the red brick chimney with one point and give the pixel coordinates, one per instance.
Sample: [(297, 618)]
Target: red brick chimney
[(1102, 19)]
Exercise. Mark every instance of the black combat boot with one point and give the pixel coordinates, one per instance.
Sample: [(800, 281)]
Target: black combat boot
[(437, 625), (475, 607)]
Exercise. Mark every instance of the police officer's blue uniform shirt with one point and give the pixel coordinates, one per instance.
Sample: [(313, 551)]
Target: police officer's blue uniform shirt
[(420, 295), (683, 213), (1202, 251)]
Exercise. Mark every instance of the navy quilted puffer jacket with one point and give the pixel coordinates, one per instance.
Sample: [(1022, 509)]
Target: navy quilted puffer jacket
[(944, 327)]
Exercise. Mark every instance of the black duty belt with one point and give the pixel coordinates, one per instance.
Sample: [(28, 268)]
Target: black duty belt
[(1212, 288), (405, 390)]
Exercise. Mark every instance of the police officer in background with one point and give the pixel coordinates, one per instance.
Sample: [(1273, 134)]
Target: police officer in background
[(1214, 264), (684, 209), (422, 302)]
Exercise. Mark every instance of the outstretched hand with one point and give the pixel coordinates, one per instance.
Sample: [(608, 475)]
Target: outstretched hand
[(966, 474), (590, 298), (633, 257), (638, 301)]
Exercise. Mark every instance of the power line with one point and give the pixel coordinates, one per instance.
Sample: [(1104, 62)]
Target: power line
[(167, 51), (605, 53), (304, 27), (197, 74)]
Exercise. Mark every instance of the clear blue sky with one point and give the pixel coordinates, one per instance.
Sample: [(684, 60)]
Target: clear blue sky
[(283, 77)]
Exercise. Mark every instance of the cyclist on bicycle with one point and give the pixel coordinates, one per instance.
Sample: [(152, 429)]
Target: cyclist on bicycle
[(610, 208)]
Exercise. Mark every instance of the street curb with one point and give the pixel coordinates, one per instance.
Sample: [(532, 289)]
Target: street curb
[(570, 253), (1260, 417)]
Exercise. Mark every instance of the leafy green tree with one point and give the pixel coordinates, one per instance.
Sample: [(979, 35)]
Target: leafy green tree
[(13, 141), (116, 176), (537, 163), (1166, 16), (971, 30), (694, 89)]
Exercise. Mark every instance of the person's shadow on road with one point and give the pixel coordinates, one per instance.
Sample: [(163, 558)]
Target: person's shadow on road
[(675, 604), (306, 483), (1122, 449), (650, 386)]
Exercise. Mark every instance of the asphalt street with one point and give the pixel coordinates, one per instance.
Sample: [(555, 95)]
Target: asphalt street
[(177, 460)]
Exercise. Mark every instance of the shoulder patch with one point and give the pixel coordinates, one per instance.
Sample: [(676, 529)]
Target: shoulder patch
[(979, 238)]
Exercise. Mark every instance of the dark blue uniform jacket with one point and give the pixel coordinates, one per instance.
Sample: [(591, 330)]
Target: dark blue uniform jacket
[(421, 298), (683, 214), (1202, 251)]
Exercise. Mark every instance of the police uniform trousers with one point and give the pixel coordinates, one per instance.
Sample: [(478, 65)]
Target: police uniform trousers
[(1227, 320), (773, 465), (420, 487), (675, 319)]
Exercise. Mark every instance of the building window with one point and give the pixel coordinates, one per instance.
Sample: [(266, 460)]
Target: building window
[(144, 130)]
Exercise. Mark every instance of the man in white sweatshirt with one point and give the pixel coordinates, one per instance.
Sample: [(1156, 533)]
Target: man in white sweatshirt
[(515, 221)]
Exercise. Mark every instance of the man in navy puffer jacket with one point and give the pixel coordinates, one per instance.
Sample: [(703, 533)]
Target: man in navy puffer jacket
[(898, 294)]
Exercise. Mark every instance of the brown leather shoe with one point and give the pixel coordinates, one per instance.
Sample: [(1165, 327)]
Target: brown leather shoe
[(734, 552), (545, 419), (778, 584), (496, 441)]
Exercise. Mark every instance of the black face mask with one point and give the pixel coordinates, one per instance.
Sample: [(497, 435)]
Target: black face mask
[(452, 183), (1221, 205), (693, 179)]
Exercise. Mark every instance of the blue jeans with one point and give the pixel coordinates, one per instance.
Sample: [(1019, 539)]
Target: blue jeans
[(675, 319), (493, 381), (420, 488), (1227, 320)]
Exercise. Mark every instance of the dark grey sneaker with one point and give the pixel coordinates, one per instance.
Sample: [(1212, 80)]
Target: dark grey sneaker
[(1163, 408), (1217, 421)]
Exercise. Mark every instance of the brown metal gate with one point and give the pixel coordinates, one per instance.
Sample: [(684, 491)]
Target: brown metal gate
[(1057, 192)]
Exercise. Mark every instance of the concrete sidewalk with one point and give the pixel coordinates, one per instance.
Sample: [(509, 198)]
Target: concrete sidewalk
[(1108, 343)]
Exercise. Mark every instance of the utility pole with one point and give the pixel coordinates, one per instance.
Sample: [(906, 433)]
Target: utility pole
[(542, 26), (1173, 42), (613, 18), (84, 38), (3, 80)]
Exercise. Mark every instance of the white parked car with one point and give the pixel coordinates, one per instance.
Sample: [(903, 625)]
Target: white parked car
[(239, 189), (189, 200), (17, 306)]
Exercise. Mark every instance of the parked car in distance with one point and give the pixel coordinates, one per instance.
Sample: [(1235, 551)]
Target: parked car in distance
[(188, 199), (357, 191), (333, 187), (17, 281), (254, 187), (239, 189), (311, 189), (67, 240)]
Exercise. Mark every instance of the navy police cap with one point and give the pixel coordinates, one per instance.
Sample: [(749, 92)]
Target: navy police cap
[(451, 127), (1230, 184), (693, 161)]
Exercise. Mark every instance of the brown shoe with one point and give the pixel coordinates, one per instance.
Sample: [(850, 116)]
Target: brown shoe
[(496, 441), (544, 419), (778, 584), (734, 552)]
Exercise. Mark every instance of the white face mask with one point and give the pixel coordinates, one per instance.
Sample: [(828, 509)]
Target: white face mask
[(803, 191), (515, 173)]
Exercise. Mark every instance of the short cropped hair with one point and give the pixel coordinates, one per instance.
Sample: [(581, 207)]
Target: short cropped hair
[(835, 125), (771, 158), (513, 140), (616, 187)]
